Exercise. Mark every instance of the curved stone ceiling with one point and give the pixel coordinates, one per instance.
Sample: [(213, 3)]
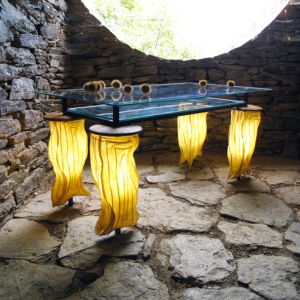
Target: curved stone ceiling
[(193, 30)]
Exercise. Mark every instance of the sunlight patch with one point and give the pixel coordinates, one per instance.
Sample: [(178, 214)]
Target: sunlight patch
[(190, 29)]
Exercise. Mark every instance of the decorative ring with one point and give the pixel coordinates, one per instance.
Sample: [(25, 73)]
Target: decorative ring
[(230, 83), (145, 88), (116, 84), (202, 83), (128, 89)]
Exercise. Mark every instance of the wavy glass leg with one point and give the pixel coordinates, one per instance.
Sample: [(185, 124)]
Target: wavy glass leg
[(68, 150), (242, 139), (115, 175), (192, 131)]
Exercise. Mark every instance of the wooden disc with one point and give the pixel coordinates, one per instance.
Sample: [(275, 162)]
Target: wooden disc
[(59, 117), (115, 131), (250, 107)]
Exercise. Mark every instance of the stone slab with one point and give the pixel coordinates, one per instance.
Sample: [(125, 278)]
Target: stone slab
[(161, 212), (257, 208), (199, 258), (272, 277), (20, 238), (148, 246), (198, 192), (40, 208), (168, 162), (282, 177), (231, 293), (245, 184), (82, 248), (125, 280), (293, 235), (165, 177), (80, 236), (20, 279), (290, 194), (205, 173), (243, 234), (128, 244)]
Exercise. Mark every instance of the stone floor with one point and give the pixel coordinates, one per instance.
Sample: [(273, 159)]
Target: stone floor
[(198, 237)]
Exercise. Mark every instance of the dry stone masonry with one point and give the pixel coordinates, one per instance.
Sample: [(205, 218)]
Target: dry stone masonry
[(32, 58)]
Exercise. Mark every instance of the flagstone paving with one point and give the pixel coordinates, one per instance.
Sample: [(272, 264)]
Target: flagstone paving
[(198, 237)]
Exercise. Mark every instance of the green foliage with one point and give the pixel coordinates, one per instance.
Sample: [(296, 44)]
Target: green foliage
[(143, 26)]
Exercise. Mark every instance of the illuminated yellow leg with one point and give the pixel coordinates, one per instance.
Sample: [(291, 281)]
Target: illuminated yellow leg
[(192, 131), (242, 138), (68, 149), (115, 175)]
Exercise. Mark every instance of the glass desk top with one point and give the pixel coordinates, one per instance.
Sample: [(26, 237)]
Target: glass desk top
[(113, 107), (159, 93)]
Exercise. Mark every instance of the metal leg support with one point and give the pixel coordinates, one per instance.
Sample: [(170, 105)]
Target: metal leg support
[(70, 202)]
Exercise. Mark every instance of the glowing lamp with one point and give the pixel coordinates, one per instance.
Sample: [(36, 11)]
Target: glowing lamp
[(242, 138), (192, 131), (115, 175), (67, 150)]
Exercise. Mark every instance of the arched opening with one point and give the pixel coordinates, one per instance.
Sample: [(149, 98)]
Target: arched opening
[(191, 29)]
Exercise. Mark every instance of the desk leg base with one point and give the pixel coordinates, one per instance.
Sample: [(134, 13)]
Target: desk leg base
[(70, 202)]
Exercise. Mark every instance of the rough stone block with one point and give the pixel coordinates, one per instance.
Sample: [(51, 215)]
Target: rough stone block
[(9, 127), (83, 71), (2, 55), (14, 18), (3, 143), (145, 70), (18, 176), (19, 56), (41, 56), (39, 135), (42, 83), (115, 72), (3, 94), (6, 188), (34, 70), (5, 34), (30, 118), (30, 183), (3, 174), (28, 155), (6, 207), (22, 88), (8, 72), (9, 107), (215, 74), (18, 138), (4, 156), (238, 75), (32, 41), (50, 31)]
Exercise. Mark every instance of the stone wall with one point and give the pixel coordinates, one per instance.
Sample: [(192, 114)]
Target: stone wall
[(270, 60), (32, 58)]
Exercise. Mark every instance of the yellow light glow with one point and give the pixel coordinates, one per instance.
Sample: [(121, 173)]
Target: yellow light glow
[(192, 131), (68, 149), (116, 177), (242, 139)]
